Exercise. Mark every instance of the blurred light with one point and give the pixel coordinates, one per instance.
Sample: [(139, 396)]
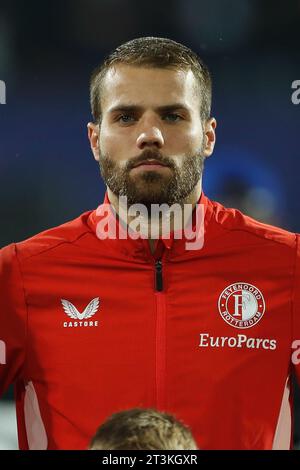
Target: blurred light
[(240, 179)]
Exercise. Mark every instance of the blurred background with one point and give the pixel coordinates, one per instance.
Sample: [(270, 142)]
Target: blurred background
[(47, 52)]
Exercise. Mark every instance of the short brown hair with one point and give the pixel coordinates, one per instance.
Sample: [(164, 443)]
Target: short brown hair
[(142, 429), (157, 53)]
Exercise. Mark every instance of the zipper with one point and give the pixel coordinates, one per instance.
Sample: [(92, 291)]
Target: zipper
[(158, 276), (160, 347)]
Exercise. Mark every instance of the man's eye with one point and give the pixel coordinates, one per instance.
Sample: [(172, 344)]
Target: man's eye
[(173, 117), (125, 118)]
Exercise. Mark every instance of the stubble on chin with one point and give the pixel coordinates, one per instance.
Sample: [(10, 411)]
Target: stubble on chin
[(151, 187)]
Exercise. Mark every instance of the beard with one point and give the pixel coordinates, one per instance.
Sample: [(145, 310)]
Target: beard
[(153, 187)]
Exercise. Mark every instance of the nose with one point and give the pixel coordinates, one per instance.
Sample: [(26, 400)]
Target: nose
[(150, 134)]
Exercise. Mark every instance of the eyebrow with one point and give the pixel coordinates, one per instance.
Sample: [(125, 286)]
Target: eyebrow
[(136, 108)]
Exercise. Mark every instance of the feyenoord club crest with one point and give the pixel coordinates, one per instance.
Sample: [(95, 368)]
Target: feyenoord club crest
[(241, 305)]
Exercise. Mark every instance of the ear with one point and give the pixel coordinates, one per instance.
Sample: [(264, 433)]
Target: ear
[(93, 136), (209, 136)]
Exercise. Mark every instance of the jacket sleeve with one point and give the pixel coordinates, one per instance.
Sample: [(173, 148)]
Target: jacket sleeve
[(13, 317), (296, 313)]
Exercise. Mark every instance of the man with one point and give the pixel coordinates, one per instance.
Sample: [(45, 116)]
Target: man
[(104, 314), (142, 429)]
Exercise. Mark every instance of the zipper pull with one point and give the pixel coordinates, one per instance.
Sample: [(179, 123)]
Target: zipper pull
[(158, 276)]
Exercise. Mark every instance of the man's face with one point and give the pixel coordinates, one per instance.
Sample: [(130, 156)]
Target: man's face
[(151, 143)]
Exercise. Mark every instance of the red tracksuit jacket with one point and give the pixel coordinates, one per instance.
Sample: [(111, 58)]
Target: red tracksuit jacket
[(89, 327)]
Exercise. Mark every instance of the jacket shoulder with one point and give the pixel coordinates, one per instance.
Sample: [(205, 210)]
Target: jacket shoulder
[(49, 239), (231, 219)]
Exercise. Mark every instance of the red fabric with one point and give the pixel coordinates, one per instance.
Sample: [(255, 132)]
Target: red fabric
[(145, 349)]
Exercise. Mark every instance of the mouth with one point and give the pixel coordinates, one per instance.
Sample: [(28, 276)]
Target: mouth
[(150, 165)]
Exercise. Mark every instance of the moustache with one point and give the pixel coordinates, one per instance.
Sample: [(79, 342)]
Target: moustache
[(150, 155)]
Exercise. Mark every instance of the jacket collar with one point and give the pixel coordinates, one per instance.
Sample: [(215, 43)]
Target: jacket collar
[(179, 243)]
